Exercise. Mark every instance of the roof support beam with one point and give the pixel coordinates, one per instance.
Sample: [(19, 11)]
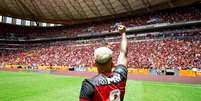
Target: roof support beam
[(13, 20), (4, 7), (129, 5), (113, 10), (54, 11), (96, 8), (111, 13), (19, 7), (4, 19), (60, 8), (26, 8), (35, 5), (84, 13), (146, 4), (68, 10), (125, 6), (94, 12), (47, 9), (170, 3), (75, 8)]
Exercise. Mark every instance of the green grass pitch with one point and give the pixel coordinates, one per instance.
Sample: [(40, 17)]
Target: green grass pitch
[(23, 86)]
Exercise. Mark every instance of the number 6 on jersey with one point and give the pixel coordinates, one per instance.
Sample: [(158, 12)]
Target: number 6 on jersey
[(115, 95)]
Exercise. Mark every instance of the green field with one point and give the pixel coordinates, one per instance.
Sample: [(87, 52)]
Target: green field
[(23, 86)]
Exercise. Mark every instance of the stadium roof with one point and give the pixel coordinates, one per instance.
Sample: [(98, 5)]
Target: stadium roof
[(75, 11)]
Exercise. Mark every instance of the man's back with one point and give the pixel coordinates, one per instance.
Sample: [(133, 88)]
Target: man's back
[(105, 88)]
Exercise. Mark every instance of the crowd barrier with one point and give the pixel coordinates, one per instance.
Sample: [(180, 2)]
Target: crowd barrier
[(187, 73), (198, 73), (92, 69), (138, 71), (130, 70), (14, 66), (58, 68), (142, 71)]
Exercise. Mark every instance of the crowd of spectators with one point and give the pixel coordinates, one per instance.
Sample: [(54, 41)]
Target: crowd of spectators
[(156, 53), (165, 16), (162, 53)]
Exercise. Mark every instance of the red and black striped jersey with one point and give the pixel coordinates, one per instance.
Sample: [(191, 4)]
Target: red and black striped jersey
[(105, 88)]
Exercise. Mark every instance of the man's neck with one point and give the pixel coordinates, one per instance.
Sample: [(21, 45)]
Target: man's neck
[(106, 73)]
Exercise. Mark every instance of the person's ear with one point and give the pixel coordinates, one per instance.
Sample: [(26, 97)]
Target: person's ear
[(113, 64), (94, 65)]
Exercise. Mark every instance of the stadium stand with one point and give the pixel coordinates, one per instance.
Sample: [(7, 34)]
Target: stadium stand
[(180, 49), (160, 53), (191, 13)]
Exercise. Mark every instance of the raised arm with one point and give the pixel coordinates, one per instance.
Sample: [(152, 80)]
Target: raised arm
[(122, 59)]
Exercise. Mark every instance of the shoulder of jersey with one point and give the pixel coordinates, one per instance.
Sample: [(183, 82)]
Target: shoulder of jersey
[(101, 80), (98, 80)]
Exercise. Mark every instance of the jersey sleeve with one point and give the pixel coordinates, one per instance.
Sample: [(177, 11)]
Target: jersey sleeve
[(87, 91), (122, 70)]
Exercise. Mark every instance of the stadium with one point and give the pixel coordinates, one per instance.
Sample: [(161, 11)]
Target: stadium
[(47, 47)]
